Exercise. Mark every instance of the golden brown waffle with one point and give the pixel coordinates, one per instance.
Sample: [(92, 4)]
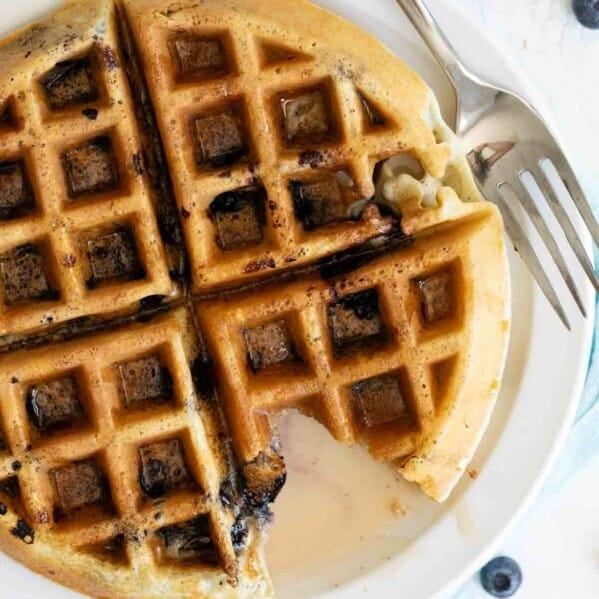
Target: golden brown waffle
[(211, 212), (113, 467), (267, 113), (380, 355), (79, 228)]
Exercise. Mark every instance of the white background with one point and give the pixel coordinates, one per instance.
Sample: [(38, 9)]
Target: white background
[(557, 544)]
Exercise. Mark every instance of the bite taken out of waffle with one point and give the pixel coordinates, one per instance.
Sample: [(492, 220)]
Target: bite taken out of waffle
[(212, 212)]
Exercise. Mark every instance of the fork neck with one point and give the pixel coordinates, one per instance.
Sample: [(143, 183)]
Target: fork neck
[(426, 25)]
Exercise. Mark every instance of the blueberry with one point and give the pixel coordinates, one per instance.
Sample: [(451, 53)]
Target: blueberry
[(587, 12), (501, 577)]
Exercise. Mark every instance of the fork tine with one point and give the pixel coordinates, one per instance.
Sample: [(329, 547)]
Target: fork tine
[(564, 170), (564, 220), (528, 203), (518, 236)]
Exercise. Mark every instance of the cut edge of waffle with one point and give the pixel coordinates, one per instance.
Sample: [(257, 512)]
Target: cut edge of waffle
[(394, 332)]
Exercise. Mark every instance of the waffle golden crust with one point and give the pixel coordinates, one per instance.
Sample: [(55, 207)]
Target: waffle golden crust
[(81, 221), (210, 212), (296, 111), (113, 470), (380, 355)]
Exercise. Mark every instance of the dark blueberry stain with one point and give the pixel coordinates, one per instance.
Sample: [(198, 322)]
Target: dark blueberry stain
[(23, 531), (239, 533), (314, 158), (109, 58), (138, 163), (257, 265), (152, 302), (90, 113)]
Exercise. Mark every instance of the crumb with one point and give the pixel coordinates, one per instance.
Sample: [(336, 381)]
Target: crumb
[(256, 265), (42, 517), (69, 260), (473, 473), (109, 58), (398, 509), (311, 157)]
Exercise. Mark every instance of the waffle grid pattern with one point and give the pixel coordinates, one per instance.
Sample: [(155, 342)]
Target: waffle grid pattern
[(232, 88), (414, 351), (60, 225), (113, 437), (353, 148)]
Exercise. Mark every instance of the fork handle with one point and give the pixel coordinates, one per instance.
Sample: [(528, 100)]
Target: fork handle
[(438, 44)]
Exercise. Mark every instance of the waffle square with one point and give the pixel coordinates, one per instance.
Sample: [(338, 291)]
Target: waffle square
[(54, 403), (16, 195), (71, 82), (79, 485), (163, 467)]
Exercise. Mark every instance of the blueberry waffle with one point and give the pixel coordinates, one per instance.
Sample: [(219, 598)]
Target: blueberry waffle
[(212, 212)]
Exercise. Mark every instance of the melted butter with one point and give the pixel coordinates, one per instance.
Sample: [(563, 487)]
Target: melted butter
[(402, 177)]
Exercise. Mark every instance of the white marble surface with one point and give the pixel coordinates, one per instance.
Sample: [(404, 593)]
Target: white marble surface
[(557, 544), (562, 60)]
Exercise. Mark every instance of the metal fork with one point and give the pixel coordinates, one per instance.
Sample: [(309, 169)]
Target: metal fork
[(507, 138)]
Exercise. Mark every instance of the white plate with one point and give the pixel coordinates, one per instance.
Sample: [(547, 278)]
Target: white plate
[(336, 534)]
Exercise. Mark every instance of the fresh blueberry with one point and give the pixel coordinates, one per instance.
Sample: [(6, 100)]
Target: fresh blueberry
[(587, 12), (501, 577)]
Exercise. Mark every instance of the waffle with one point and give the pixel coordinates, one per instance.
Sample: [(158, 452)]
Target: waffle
[(113, 470), (299, 124), (379, 355), (212, 212), (91, 242)]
